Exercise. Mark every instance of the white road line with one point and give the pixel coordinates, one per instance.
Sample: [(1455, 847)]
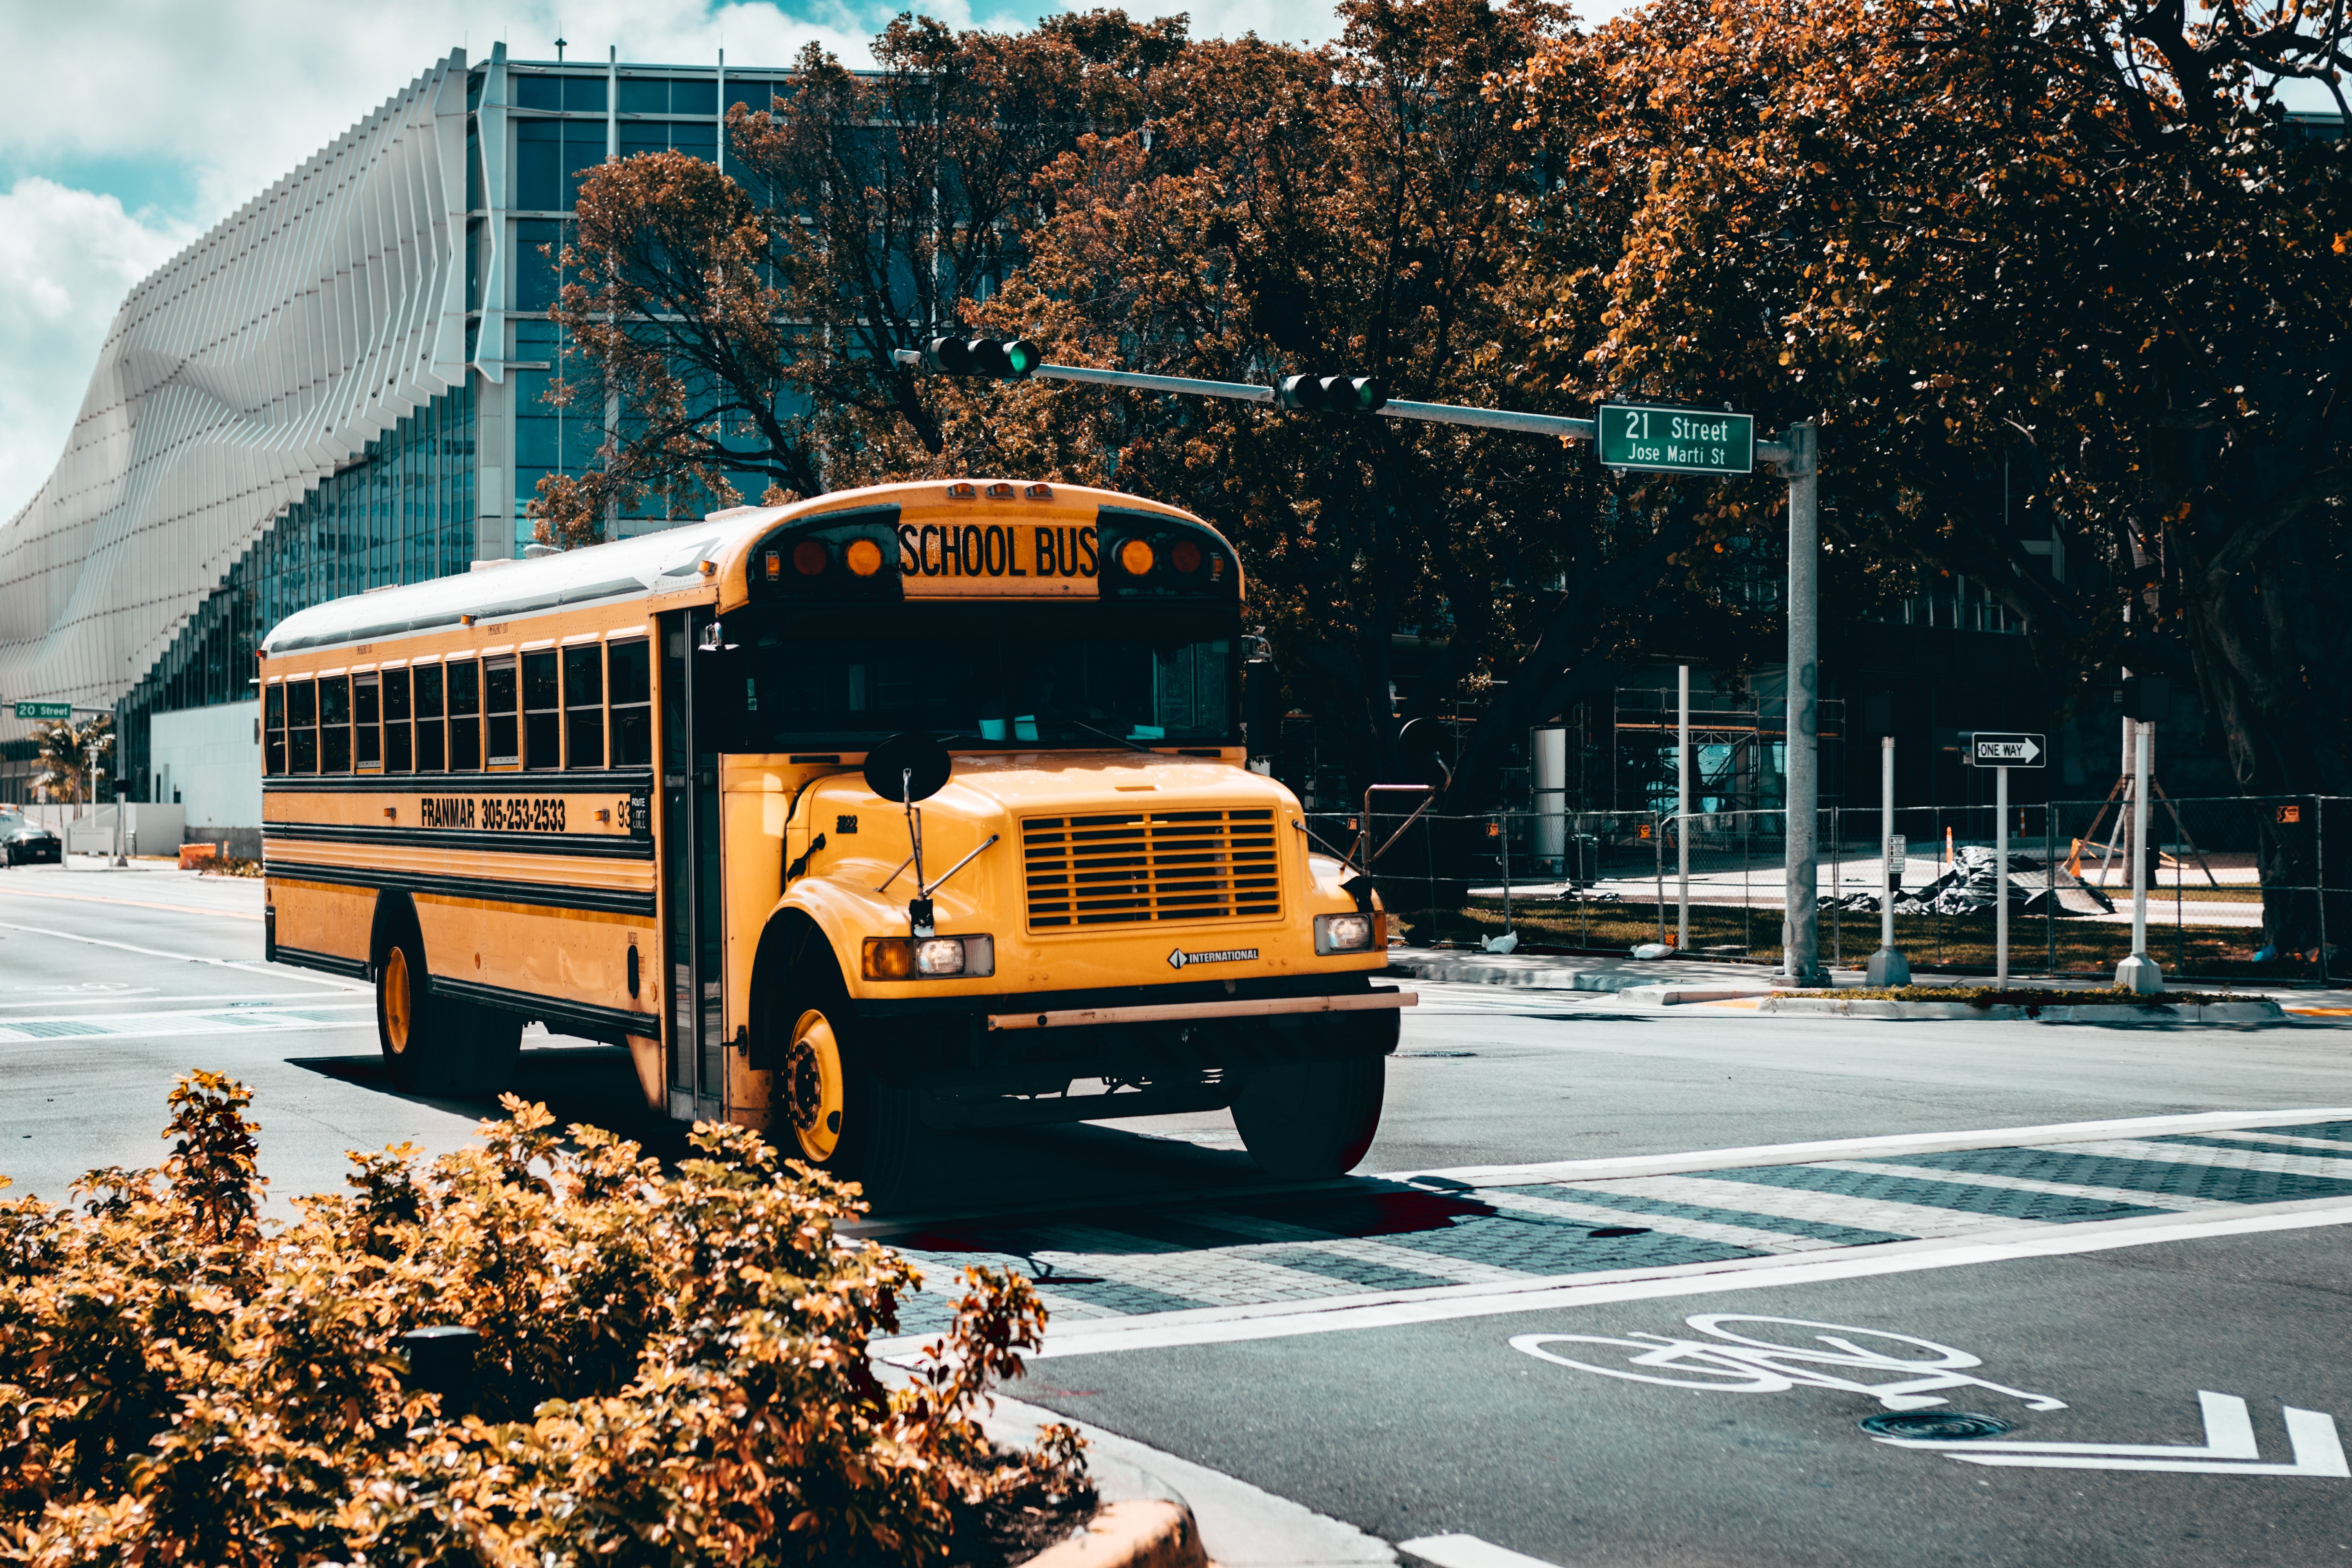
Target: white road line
[(2026, 1185), (243, 964), (1363, 1249), (2286, 1140), (1391, 1309), (2276, 1162), (1890, 1215), (1469, 1551), (1189, 1272), (1539, 1174), (188, 1023), (1668, 1225)]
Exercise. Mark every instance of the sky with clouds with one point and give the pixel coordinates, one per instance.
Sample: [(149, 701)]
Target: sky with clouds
[(130, 128)]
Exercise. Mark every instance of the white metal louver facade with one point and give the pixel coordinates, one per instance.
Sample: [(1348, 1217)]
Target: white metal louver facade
[(236, 378)]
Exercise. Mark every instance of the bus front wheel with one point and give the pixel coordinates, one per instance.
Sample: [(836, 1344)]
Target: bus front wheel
[(832, 1110), (1311, 1120)]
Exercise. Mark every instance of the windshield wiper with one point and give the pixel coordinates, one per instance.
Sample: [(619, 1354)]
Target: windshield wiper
[(1106, 734)]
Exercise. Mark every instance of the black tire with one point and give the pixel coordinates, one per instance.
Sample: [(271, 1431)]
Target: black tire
[(434, 1045), (1306, 1122), (830, 1108)]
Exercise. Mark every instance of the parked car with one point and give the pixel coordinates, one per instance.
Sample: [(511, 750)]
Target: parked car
[(29, 843)]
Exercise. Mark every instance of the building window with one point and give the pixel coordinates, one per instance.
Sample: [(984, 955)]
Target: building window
[(335, 724), (432, 755), (273, 729), (465, 717), (538, 165), (584, 94), (501, 713), (583, 706), (542, 713), (367, 720), (645, 95), (633, 713)]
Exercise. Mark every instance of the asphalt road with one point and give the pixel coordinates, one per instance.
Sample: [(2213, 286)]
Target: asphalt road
[(1417, 1417)]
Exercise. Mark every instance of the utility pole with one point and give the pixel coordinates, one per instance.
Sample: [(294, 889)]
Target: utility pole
[(1682, 814), (1796, 457), (2139, 972), (1887, 966)]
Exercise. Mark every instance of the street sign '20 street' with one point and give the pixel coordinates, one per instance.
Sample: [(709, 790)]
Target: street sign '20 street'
[(1675, 440)]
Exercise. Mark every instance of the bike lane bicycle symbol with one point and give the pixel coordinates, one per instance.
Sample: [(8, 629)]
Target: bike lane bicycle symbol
[(1731, 1362)]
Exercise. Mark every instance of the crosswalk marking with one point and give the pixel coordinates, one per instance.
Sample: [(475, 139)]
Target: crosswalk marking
[(1432, 1236), (2024, 1185)]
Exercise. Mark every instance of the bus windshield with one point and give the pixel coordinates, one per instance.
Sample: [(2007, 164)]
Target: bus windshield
[(1009, 688)]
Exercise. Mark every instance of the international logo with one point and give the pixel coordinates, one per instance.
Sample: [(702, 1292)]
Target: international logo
[(1180, 958)]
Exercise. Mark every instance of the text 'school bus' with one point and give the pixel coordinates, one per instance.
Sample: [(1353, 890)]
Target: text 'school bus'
[(918, 806)]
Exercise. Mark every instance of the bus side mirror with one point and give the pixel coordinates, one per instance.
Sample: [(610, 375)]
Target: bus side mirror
[(1260, 707)]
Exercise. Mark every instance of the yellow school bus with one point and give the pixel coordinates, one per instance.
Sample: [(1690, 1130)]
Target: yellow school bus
[(912, 808)]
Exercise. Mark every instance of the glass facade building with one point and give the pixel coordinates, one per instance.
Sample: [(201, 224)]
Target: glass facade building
[(409, 418)]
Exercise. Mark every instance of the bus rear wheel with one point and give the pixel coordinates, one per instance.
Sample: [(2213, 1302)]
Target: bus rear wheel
[(435, 1044), (832, 1110), (1310, 1120)]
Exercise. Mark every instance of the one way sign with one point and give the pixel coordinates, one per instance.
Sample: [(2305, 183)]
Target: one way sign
[(1987, 750)]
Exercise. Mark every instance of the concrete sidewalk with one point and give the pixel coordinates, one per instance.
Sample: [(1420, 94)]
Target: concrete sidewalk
[(1676, 980)]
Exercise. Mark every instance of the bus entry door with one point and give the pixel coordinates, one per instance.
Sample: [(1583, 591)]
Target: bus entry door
[(693, 938)]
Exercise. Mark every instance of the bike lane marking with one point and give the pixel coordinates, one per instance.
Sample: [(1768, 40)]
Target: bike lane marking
[(1730, 1362), (1226, 1325)]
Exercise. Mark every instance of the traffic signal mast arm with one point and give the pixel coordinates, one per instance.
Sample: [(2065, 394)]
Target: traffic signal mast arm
[(1560, 425)]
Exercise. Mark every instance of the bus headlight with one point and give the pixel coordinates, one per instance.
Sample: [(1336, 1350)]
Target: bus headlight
[(930, 958), (1345, 933)]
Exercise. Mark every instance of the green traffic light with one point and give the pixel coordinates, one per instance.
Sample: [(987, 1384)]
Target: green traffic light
[(1022, 356)]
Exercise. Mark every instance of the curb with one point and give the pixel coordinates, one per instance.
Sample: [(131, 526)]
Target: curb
[(1473, 974), (1141, 1532), (2126, 1015), (1671, 995)]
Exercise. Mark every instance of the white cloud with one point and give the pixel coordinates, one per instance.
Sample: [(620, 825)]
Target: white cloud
[(66, 259), (180, 112)]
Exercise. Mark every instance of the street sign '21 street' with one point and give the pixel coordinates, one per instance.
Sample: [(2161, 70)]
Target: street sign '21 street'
[(1675, 440)]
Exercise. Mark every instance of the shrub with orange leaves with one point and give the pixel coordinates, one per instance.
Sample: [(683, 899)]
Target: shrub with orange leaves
[(672, 1365)]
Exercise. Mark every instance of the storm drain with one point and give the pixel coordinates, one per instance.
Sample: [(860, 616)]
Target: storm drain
[(1941, 1426)]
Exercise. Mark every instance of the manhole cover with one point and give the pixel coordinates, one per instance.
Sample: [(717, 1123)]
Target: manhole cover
[(1608, 1230), (1945, 1425)]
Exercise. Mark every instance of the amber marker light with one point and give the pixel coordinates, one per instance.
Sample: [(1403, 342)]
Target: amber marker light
[(963, 489), (775, 565), (1000, 491), (864, 557), (1039, 492), (809, 557), (888, 958), (1135, 556)]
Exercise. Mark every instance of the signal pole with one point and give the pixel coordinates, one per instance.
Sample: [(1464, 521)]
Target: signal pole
[(1795, 456)]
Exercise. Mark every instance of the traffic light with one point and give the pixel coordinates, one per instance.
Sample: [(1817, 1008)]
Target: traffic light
[(1332, 394), (1007, 359)]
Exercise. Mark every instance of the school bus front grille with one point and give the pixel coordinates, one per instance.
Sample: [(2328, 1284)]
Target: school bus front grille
[(1130, 868)]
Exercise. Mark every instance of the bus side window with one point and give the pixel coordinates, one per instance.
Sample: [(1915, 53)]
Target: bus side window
[(542, 707), (273, 729), (583, 706), (335, 724), (465, 716), (397, 756), (502, 734), (367, 719), (301, 727), (633, 695), (432, 756)]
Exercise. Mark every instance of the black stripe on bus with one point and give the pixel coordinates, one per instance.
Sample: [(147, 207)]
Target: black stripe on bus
[(349, 968), (545, 781), (477, 840), (600, 1022), (548, 895)]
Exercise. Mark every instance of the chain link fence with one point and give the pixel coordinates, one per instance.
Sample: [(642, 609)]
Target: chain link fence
[(2237, 888)]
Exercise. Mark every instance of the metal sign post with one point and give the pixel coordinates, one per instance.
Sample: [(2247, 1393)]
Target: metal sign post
[(2139, 972), (2001, 752), (1887, 966), (1794, 455), (1682, 815)]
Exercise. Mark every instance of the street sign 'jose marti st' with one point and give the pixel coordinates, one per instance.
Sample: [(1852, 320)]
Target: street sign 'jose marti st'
[(1675, 440)]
